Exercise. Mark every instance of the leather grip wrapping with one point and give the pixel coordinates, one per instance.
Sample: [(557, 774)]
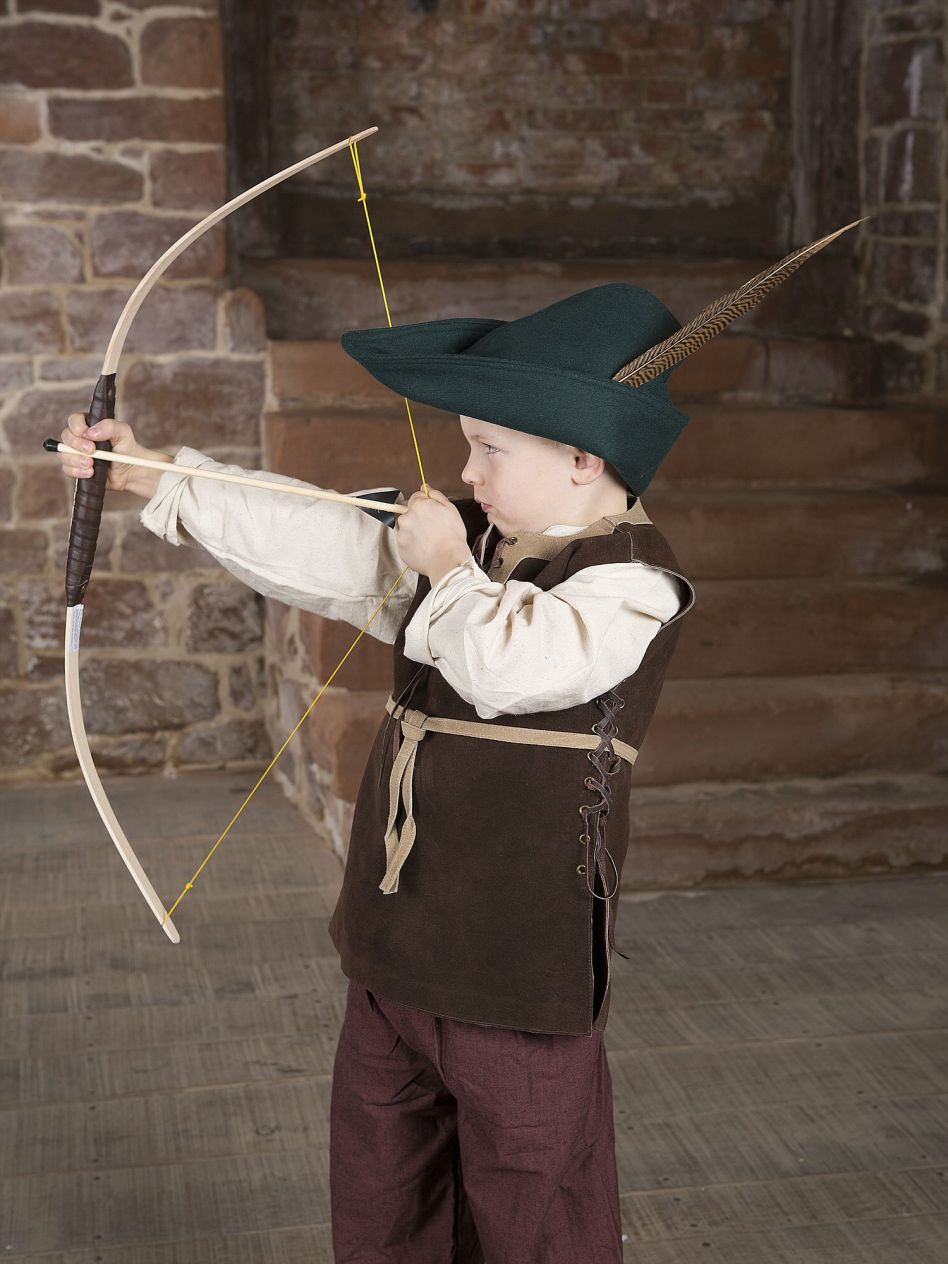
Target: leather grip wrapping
[(87, 506)]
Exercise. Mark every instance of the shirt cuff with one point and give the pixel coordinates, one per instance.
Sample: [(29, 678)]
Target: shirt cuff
[(161, 514)]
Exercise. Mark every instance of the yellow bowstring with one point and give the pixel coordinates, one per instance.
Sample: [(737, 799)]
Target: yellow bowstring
[(354, 151)]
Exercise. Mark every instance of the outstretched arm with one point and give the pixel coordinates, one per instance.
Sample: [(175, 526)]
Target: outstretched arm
[(329, 558)]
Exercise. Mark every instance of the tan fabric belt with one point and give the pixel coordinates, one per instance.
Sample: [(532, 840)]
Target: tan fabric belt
[(414, 726)]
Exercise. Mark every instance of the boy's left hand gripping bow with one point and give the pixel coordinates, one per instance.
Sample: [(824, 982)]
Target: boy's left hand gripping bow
[(87, 514)]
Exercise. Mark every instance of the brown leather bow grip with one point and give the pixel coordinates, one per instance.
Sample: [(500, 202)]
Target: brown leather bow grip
[(87, 506)]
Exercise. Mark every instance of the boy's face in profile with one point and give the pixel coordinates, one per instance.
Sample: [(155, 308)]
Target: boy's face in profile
[(523, 482)]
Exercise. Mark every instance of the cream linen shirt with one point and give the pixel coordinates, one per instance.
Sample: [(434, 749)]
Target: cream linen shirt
[(506, 648)]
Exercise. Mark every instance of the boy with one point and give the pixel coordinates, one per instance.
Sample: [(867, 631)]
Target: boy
[(471, 1108)]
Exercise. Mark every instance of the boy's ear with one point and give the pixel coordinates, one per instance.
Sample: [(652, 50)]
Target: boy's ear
[(582, 459)]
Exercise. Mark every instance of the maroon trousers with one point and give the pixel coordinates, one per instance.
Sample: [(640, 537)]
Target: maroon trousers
[(452, 1143)]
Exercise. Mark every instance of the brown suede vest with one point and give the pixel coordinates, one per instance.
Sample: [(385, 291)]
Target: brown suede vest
[(505, 907)]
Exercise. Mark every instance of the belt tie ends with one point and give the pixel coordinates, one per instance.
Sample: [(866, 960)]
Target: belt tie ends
[(398, 845)]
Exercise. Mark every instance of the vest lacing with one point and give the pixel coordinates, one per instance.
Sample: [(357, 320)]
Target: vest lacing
[(607, 763)]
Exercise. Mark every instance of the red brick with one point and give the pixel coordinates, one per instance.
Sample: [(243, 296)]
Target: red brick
[(224, 618), (182, 53), (155, 694), (22, 552), (200, 120), (339, 734), (886, 319), (41, 413), (119, 613), (120, 754), (211, 5), (200, 401), (49, 55), (70, 369), (80, 8), (38, 254), (909, 223), (34, 722), (911, 167), (700, 12), (6, 493), (678, 35), (925, 19), (19, 120), (325, 641), (31, 321), (904, 80), (844, 447), (191, 179), (14, 374), (724, 366), (142, 551), (244, 684), (42, 490), (9, 665), (750, 10), (245, 321), (228, 743), (905, 372), (127, 243), (759, 729), (905, 273), (28, 176), (172, 318), (305, 371), (363, 450), (839, 371)]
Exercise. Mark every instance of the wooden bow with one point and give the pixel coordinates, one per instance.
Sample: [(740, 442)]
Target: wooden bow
[(87, 514)]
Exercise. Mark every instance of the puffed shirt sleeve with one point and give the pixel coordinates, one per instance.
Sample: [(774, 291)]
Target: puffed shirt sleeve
[(323, 556), (511, 648)]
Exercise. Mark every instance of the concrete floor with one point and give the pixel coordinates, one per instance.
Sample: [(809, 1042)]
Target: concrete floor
[(779, 1053)]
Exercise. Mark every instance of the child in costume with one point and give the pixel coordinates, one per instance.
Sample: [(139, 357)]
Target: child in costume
[(471, 1112)]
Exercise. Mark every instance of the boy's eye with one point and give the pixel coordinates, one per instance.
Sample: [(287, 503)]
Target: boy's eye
[(489, 445)]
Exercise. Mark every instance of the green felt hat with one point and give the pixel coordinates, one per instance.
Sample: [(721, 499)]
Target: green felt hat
[(546, 374)]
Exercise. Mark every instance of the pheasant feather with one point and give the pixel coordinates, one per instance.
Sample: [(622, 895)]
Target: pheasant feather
[(707, 324)]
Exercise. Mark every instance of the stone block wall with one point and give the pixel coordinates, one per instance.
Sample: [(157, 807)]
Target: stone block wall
[(112, 130)]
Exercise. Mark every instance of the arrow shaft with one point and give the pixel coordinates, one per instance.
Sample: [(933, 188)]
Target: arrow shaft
[(314, 493)]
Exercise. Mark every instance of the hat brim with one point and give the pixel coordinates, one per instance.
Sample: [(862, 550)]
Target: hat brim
[(429, 363)]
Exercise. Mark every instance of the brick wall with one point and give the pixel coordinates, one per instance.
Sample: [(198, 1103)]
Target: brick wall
[(905, 188), (533, 127), (111, 145)]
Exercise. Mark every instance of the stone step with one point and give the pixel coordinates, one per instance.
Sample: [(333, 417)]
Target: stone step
[(319, 298), (783, 533), (740, 628), (756, 729), (758, 368), (772, 727), (812, 627), (807, 827), (739, 445)]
